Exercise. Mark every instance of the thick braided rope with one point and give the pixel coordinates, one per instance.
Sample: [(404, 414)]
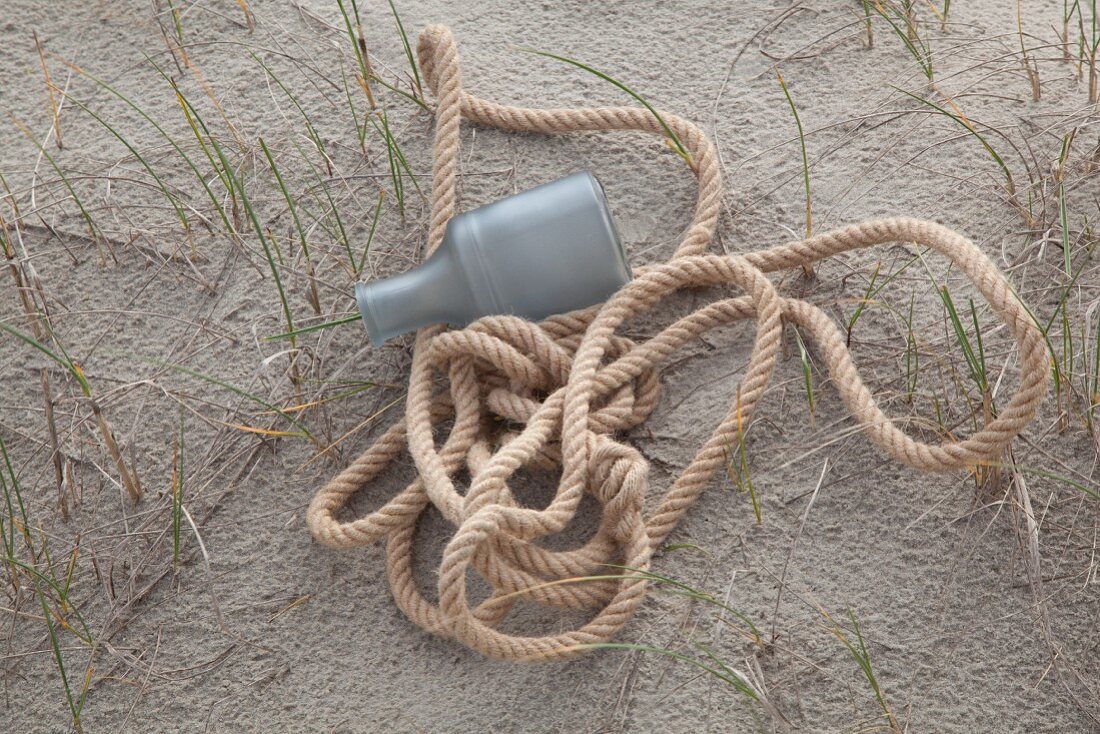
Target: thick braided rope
[(553, 396)]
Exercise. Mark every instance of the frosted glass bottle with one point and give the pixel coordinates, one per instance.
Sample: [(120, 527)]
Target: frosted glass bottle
[(548, 250)]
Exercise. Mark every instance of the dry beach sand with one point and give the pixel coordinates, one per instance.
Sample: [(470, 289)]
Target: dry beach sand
[(976, 598)]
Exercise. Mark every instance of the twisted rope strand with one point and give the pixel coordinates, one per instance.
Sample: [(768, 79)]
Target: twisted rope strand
[(553, 395)]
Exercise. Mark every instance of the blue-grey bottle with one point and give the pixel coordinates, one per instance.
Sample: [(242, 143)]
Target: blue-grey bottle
[(548, 250)]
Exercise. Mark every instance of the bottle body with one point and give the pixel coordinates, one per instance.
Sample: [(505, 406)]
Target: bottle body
[(551, 249)]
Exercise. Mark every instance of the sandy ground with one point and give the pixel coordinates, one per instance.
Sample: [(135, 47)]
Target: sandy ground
[(970, 621)]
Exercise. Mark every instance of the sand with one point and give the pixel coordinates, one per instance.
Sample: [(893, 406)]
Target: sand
[(970, 621)]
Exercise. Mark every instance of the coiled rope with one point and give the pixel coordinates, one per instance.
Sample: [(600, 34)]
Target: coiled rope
[(555, 394)]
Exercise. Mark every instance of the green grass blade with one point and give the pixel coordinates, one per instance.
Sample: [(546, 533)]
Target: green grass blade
[(360, 52), (177, 494), (1063, 221), (963, 340), (731, 676), (11, 487), (733, 681), (314, 327), (289, 202), (231, 388), (923, 55), (164, 134), (408, 49), (966, 126), (58, 658), (397, 90), (311, 131), (980, 356), (194, 121), (63, 597), (1090, 491), (247, 204), (690, 591), (805, 159), (93, 230), (64, 361), (180, 213), (370, 236), (807, 375)]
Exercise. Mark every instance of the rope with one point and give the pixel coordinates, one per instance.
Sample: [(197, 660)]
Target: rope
[(553, 396)]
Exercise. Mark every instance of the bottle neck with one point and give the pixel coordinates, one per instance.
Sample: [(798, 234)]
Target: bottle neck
[(433, 293)]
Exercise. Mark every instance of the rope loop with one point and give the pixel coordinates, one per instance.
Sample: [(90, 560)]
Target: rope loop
[(554, 397)]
